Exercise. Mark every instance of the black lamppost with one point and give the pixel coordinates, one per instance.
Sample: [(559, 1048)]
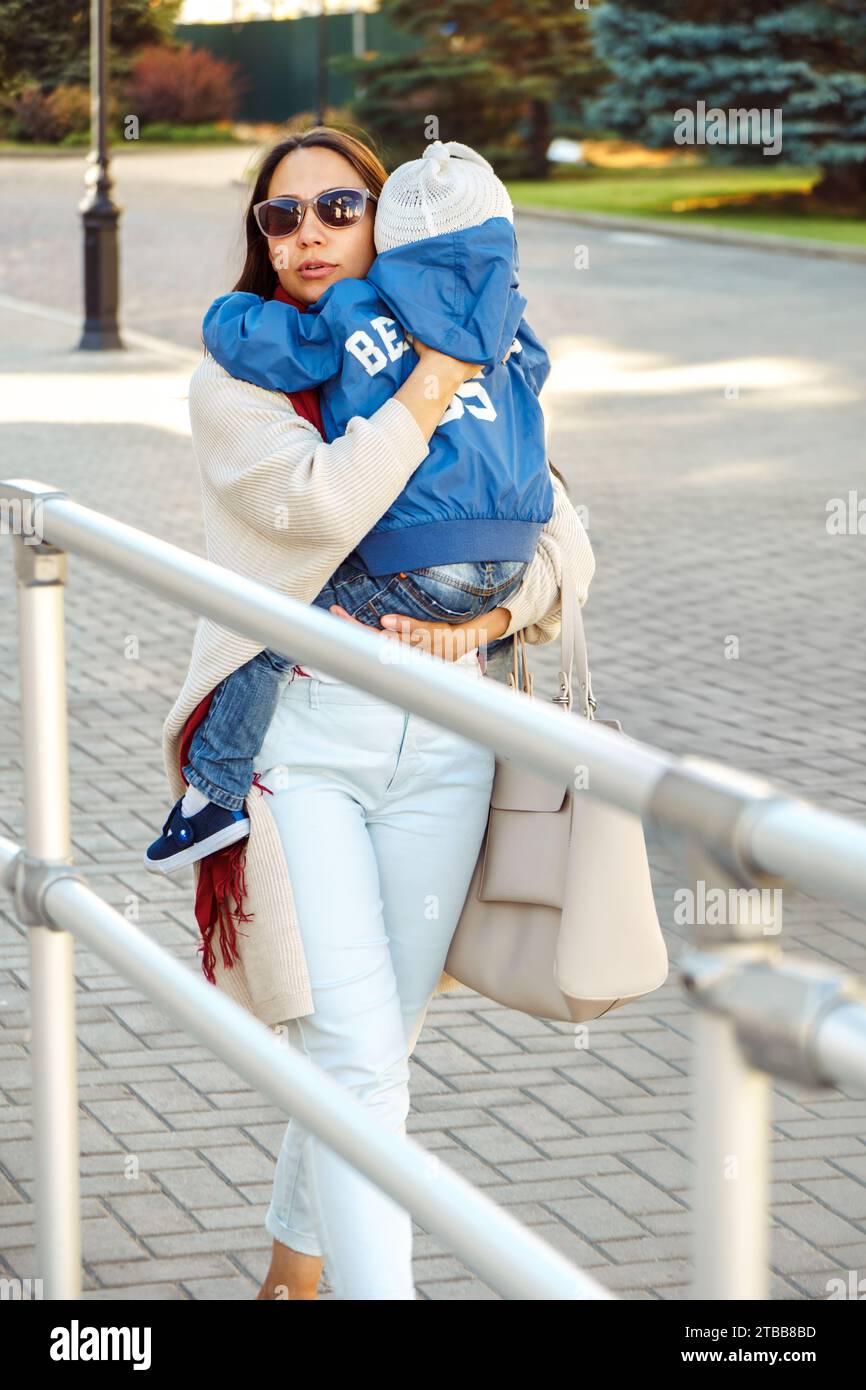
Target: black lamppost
[(99, 212)]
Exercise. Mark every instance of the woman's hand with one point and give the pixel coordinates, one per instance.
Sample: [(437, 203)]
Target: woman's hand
[(449, 641), (439, 364), (431, 386)]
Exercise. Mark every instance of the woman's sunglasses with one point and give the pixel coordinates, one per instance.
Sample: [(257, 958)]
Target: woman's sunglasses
[(336, 207)]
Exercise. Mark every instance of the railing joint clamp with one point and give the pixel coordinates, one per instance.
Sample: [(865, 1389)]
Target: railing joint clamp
[(777, 1006), (718, 817), (31, 879)]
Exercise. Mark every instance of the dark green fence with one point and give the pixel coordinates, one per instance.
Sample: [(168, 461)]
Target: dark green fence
[(280, 59)]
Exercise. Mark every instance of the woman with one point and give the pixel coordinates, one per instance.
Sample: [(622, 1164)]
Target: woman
[(365, 833)]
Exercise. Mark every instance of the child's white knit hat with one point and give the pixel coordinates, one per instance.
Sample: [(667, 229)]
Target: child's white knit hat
[(451, 188)]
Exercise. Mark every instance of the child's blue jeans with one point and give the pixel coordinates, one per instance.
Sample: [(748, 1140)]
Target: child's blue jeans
[(229, 737)]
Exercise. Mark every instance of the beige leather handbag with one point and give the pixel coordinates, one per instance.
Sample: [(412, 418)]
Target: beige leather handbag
[(559, 919)]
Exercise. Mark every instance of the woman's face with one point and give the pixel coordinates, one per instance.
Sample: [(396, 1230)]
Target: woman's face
[(343, 252)]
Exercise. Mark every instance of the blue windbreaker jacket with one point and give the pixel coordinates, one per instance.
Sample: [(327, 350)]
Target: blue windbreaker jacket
[(484, 491)]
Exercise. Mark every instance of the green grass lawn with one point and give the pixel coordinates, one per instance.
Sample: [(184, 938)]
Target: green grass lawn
[(159, 136), (775, 194)]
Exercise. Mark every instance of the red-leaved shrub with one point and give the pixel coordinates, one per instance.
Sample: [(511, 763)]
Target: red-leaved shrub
[(45, 118), (187, 85)]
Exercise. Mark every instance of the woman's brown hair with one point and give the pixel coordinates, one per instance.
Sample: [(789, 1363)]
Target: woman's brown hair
[(258, 275), (556, 473)]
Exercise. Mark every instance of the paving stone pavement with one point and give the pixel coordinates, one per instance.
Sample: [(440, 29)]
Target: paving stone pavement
[(707, 513)]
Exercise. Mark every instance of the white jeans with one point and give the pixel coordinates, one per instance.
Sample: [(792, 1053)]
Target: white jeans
[(381, 815)]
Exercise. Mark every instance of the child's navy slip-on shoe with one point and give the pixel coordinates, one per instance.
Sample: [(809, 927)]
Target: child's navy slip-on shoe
[(187, 838)]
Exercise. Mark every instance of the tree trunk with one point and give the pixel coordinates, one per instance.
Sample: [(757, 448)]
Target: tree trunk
[(539, 137), (842, 186)]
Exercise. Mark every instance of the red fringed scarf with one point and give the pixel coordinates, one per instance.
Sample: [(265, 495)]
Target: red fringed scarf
[(221, 875)]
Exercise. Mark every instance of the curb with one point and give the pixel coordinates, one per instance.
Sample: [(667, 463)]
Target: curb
[(72, 152), (133, 341), (754, 241)]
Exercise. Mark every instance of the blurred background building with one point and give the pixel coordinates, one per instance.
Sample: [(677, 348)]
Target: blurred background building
[(232, 11)]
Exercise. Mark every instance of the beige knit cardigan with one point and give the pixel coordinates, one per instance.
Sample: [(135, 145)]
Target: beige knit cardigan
[(257, 458)]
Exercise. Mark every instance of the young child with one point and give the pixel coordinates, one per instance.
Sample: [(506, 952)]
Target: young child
[(457, 540)]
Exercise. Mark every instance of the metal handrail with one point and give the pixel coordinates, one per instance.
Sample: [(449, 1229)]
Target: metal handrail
[(508, 1255), (741, 817), (739, 830)]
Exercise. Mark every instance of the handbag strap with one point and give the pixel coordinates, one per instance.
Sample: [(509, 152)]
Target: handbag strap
[(528, 678), (573, 643), (573, 649)]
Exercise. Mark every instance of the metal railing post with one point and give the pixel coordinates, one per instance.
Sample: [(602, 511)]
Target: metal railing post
[(734, 919), (41, 575), (763, 1015), (732, 1105)]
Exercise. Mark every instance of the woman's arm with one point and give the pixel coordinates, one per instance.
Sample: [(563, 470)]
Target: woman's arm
[(270, 467), (563, 550)]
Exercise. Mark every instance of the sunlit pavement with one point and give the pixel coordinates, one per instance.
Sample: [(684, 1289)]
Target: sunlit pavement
[(704, 407)]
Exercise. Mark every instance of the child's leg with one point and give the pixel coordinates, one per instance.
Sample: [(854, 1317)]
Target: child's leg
[(232, 732), (352, 587), (452, 593)]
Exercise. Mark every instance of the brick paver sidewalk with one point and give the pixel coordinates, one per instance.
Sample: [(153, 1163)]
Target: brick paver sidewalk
[(589, 1147)]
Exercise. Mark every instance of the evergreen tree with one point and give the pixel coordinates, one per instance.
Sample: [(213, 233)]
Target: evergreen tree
[(49, 42), (806, 58), (492, 73)]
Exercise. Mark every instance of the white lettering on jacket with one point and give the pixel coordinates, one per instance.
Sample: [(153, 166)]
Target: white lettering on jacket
[(371, 357), (470, 396), (467, 393)]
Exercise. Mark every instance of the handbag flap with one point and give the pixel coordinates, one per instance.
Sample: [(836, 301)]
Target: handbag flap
[(515, 788)]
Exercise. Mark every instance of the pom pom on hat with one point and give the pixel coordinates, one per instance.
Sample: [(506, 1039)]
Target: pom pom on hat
[(450, 188)]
